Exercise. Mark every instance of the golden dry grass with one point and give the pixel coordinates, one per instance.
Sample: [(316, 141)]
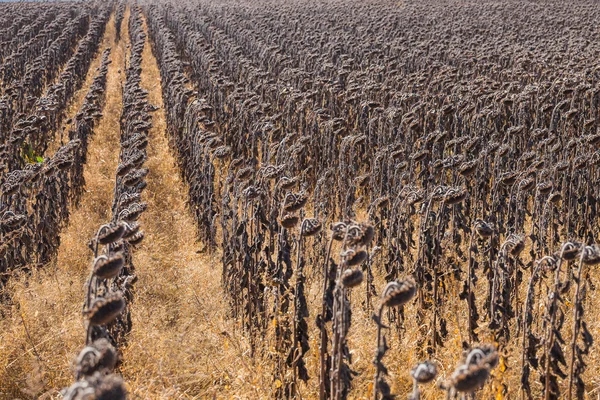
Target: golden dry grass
[(182, 344)]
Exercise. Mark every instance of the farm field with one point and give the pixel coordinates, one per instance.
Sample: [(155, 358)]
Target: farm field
[(269, 199)]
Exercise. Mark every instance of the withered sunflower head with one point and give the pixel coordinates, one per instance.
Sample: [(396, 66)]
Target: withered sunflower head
[(100, 355), (469, 378), (289, 221), (312, 226), (354, 258), (398, 293), (571, 250), (591, 255), (352, 278), (424, 372), (455, 196), (136, 238), (338, 230), (108, 267), (295, 202), (105, 309), (110, 233)]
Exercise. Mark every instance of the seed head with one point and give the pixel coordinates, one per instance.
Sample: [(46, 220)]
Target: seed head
[(100, 355), (544, 188), (469, 378), (485, 354), (244, 174), (555, 197), (420, 155), (294, 202), (312, 226), (360, 235), (123, 169), (136, 238), (424, 372), (354, 258), (515, 245), (455, 196), (11, 221), (286, 183), (352, 277), (130, 230), (105, 309), (289, 221), (222, 152), (108, 267), (339, 231), (509, 178), (110, 233), (468, 168), (108, 387), (236, 162), (251, 193), (591, 255), (398, 293), (570, 251), (483, 229)]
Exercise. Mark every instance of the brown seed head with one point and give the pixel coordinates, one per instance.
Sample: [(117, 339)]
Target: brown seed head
[(244, 174), (294, 202), (105, 309), (124, 168), (136, 238), (289, 221), (469, 378), (109, 387), (352, 277), (356, 257), (483, 229), (555, 197), (455, 196), (339, 230), (544, 188), (100, 355), (110, 233), (286, 183), (398, 293), (222, 152), (312, 226), (108, 267), (515, 245), (591, 255), (468, 168), (251, 193), (570, 251), (360, 234), (131, 229), (485, 354), (424, 372)]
